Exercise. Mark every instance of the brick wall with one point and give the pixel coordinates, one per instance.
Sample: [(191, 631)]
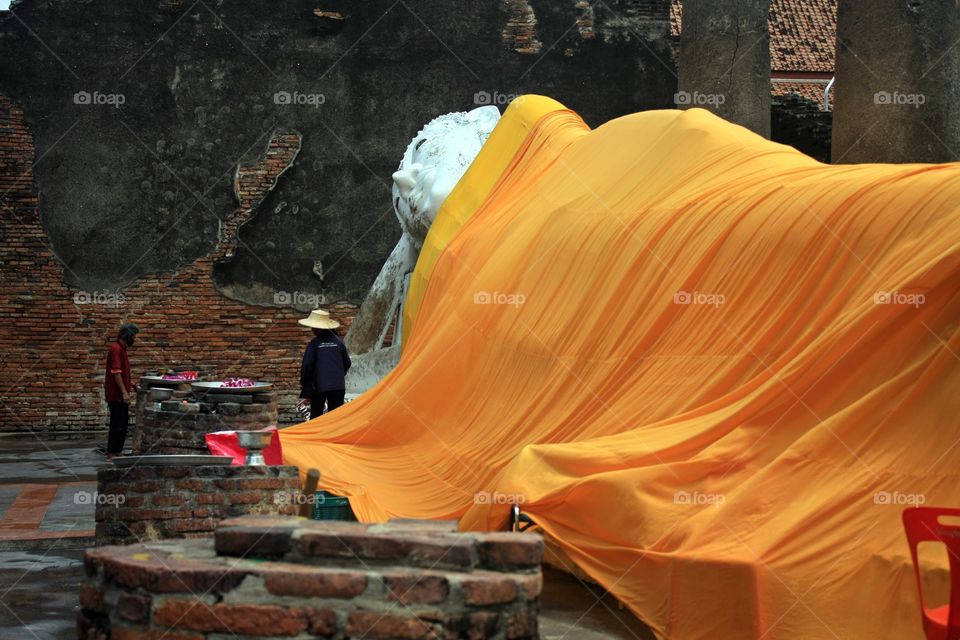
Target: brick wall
[(284, 577), (54, 339), (152, 502)]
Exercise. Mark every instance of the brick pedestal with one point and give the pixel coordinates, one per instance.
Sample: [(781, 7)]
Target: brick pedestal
[(179, 425), (287, 577), (151, 502)]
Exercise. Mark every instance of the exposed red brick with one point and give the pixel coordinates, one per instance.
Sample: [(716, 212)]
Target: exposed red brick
[(321, 622), (502, 549), (374, 624), (348, 545), (171, 513), (135, 633), (521, 625), (210, 498), (260, 483), (415, 587), (253, 619), (375, 599), (91, 598), (484, 588), (520, 32), (532, 585), (482, 625), (133, 607), (244, 497), (291, 580), (190, 484), (424, 551), (163, 574)]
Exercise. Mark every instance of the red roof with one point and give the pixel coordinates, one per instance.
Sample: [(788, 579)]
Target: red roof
[(803, 34)]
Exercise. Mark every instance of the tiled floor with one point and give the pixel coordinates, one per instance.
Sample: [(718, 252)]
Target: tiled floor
[(38, 593), (47, 489), (47, 517), (72, 508), (7, 496)]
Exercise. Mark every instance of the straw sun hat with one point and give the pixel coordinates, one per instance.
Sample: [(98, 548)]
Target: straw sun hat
[(319, 319)]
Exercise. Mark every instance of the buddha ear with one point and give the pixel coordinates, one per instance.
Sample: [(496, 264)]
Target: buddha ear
[(488, 116), (405, 180)]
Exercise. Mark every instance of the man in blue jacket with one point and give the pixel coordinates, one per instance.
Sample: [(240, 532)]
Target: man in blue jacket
[(325, 365)]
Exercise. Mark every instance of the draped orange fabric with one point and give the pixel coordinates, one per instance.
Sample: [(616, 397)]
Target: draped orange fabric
[(713, 369)]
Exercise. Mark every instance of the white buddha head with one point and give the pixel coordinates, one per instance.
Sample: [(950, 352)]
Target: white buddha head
[(434, 162)]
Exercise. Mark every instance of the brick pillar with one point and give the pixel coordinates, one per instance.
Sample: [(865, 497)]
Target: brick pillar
[(898, 82), (151, 502)]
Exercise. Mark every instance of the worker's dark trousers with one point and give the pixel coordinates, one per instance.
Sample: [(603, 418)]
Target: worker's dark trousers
[(333, 399), (119, 422)]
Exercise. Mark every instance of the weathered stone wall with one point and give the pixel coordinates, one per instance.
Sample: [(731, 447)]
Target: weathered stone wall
[(54, 337), (163, 100), (153, 502), (280, 577), (211, 170)]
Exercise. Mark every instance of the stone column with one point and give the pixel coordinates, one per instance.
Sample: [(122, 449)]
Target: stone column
[(725, 60), (898, 82)]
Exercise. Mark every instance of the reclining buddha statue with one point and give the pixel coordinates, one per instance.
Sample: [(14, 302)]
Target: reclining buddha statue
[(432, 164)]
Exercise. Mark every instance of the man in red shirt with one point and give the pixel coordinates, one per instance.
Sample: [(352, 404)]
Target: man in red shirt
[(118, 388)]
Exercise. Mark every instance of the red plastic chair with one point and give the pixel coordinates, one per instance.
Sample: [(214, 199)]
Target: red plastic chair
[(923, 524)]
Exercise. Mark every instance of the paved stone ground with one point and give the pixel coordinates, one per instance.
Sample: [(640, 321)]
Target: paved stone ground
[(46, 521), (46, 490), (38, 599)]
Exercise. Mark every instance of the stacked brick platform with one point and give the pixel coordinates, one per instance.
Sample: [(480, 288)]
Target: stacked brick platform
[(153, 502), (180, 425), (287, 577), (53, 349), (149, 394)]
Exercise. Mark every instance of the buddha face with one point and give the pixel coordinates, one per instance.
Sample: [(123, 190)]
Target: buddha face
[(434, 162)]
